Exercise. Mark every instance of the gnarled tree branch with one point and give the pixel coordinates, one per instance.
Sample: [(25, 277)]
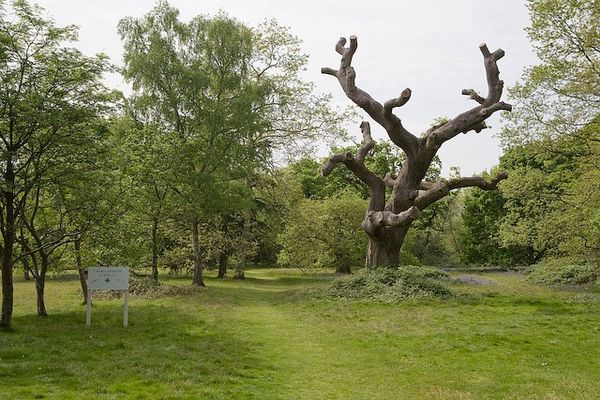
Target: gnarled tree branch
[(473, 95), (358, 168), (389, 105), (368, 142), (378, 219), (389, 179), (381, 114), (388, 224), (434, 191), (473, 120)]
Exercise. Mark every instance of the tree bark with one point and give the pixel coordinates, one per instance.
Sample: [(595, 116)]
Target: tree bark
[(40, 283), (80, 270), (384, 248), (197, 278), (7, 287)]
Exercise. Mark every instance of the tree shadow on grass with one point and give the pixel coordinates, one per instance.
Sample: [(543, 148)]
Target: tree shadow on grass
[(165, 352)]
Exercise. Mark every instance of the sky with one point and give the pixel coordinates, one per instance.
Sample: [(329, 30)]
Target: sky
[(429, 46)]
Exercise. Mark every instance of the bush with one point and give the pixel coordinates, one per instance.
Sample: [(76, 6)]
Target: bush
[(392, 284), (564, 272)]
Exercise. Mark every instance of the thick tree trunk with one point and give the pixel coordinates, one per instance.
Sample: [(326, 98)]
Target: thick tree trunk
[(155, 250), (223, 261), (382, 253), (80, 270), (197, 279), (384, 247)]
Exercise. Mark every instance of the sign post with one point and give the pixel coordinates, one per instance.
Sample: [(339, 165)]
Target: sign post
[(108, 278)]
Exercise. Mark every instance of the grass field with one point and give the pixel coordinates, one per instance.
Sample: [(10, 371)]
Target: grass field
[(267, 338)]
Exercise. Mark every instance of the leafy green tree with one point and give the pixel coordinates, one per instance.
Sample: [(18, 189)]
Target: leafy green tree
[(51, 97), (189, 80), (561, 94), (66, 202), (227, 98), (551, 198), (325, 233), (278, 196), (481, 244), (552, 137), (140, 151)]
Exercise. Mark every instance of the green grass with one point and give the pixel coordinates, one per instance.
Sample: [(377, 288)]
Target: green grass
[(266, 338)]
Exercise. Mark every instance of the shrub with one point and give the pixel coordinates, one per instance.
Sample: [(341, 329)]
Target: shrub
[(392, 284), (564, 272)]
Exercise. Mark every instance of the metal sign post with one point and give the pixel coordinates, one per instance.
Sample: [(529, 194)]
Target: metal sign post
[(108, 278)]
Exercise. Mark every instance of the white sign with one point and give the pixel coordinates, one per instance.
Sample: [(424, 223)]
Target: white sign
[(108, 278)]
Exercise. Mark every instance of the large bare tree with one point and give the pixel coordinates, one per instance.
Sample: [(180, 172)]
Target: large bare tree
[(387, 222)]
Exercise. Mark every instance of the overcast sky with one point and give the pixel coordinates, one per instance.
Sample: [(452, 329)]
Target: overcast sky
[(430, 46)]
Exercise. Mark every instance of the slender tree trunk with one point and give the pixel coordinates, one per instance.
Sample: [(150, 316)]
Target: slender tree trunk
[(80, 270), (223, 261), (25, 259), (9, 241), (40, 284), (7, 286), (26, 274), (155, 249), (39, 290), (197, 279)]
